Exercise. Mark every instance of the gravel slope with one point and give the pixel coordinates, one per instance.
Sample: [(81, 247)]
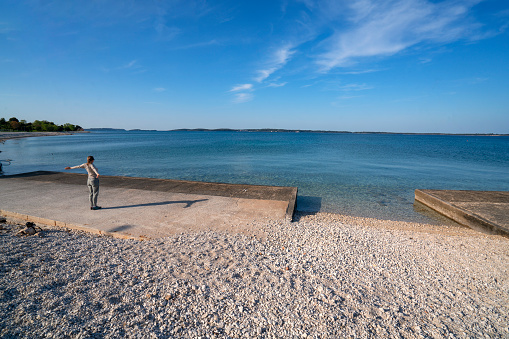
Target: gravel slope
[(323, 276)]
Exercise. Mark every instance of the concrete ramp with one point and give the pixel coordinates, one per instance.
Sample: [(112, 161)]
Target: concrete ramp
[(485, 210), (142, 207)]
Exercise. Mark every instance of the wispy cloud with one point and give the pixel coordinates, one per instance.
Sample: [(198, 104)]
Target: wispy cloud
[(132, 66), (159, 89), (383, 28), (242, 97), (243, 87), (346, 88), (276, 62), (281, 84), (347, 35), (312, 84), (355, 87), (212, 42), (243, 93), (365, 71)]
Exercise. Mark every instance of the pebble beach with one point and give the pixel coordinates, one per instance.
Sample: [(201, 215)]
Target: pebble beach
[(320, 276)]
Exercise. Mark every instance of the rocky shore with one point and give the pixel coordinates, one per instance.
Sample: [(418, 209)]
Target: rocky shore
[(321, 276)]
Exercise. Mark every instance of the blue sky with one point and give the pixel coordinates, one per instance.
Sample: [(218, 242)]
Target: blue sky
[(355, 65)]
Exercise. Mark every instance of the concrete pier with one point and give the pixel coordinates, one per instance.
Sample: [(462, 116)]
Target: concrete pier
[(142, 207), (485, 210)]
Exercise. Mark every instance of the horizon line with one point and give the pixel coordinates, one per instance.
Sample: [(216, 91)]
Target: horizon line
[(283, 130)]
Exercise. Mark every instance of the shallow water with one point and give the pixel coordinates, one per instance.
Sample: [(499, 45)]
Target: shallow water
[(369, 175)]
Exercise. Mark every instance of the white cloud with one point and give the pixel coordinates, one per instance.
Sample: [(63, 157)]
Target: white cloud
[(159, 89), (342, 33), (277, 84), (133, 66), (384, 28), (243, 97), (277, 61), (355, 87), (366, 71), (212, 42), (264, 74), (243, 93), (346, 88), (243, 87)]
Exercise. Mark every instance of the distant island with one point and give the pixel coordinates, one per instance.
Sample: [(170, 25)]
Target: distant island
[(280, 130)]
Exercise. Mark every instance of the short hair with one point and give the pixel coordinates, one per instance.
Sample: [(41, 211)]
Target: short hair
[(90, 159)]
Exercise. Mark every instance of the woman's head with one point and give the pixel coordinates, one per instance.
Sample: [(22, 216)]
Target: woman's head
[(90, 159)]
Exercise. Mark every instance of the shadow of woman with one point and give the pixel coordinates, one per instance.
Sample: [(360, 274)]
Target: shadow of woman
[(188, 203)]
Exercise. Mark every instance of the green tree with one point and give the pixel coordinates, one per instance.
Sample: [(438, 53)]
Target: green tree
[(69, 127), (23, 125), (37, 126), (14, 125), (48, 126)]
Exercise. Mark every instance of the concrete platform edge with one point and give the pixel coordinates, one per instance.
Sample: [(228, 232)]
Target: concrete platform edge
[(456, 213), (55, 223), (291, 205)]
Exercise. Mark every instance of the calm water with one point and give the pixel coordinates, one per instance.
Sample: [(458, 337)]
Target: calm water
[(357, 174)]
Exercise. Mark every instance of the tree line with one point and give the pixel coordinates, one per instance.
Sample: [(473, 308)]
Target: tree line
[(13, 124)]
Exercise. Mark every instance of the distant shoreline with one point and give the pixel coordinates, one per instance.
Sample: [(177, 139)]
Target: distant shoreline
[(278, 130), (17, 135), (4, 136)]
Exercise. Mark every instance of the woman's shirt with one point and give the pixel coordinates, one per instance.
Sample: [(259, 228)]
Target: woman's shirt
[(91, 169)]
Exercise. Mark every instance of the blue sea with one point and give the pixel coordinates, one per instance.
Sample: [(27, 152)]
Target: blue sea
[(368, 175)]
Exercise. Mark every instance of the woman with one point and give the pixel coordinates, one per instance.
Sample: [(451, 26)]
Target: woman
[(92, 182)]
